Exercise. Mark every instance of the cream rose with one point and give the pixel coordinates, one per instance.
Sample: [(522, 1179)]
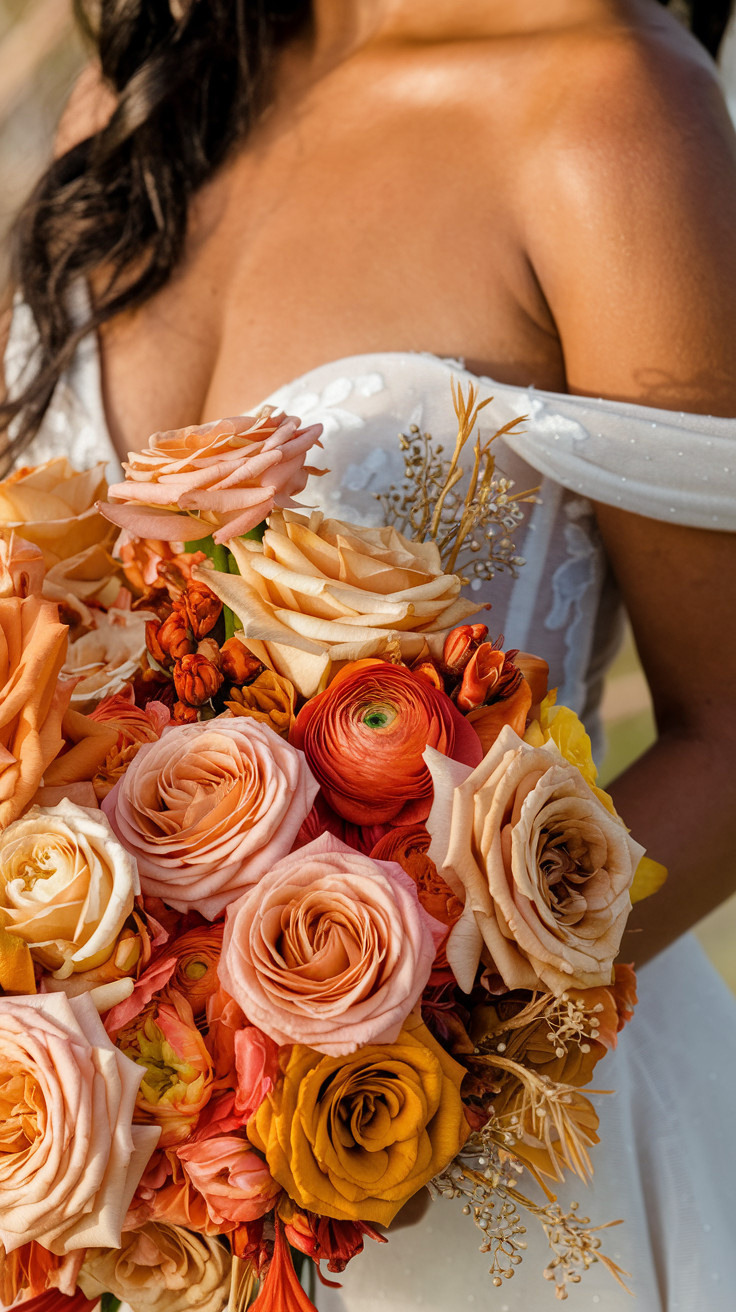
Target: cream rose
[(209, 809), (543, 865), (67, 886), (162, 1267), (70, 1157), (332, 949), (53, 505), (317, 593)]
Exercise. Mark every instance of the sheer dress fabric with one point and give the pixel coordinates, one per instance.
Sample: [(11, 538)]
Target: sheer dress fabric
[(667, 1161)]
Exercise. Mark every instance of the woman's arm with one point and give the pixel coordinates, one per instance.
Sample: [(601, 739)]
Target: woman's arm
[(638, 262)]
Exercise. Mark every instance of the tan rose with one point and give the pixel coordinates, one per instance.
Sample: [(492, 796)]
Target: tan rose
[(162, 1267), (91, 576), (317, 593), (32, 703), (67, 886), (70, 1157), (53, 505), (544, 867)]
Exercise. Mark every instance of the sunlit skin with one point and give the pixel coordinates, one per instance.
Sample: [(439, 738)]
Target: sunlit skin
[(546, 188)]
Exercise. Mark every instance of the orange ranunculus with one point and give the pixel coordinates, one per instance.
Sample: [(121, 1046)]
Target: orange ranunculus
[(364, 739), (197, 953), (178, 1079), (220, 479), (400, 1119), (409, 845), (32, 705)]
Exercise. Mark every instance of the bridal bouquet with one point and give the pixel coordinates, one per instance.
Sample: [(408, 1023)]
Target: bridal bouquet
[(309, 899)]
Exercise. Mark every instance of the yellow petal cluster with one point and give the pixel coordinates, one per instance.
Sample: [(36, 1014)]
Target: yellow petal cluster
[(317, 593), (355, 1137)]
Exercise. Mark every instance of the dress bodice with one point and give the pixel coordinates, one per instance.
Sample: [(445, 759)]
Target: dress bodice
[(562, 604)]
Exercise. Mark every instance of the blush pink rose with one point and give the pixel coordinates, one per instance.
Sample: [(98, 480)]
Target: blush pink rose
[(209, 808), (332, 950), (234, 1181), (70, 1157), (221, 478)]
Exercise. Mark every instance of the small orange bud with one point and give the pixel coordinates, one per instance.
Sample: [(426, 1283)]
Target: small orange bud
[(238, 664), (201, 607), (184, 714), (482, 673), (173, 636), (427, 669), (154, 646), (460, 644), (196, 679)]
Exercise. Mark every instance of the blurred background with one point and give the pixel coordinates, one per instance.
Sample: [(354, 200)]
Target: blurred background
[(40, 56)]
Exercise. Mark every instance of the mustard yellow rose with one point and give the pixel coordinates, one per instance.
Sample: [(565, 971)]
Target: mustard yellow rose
[(355, 1137)]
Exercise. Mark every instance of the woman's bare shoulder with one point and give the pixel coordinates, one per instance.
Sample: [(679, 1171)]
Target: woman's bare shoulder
[(87, 110)]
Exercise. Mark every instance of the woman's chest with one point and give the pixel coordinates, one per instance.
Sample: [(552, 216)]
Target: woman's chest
[(376, 231)]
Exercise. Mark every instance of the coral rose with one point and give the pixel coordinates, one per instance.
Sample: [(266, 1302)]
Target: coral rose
[(161, 1268), (53, 505), (545, 866), (331, 949), (355, 1137), (66, 886), (317, 592), (234, 1181), (364, 739), (32, 705), (70, 1158), (177, 1080), (220, 479), (209, 809)]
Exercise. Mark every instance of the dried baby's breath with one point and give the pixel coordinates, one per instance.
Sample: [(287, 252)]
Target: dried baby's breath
[(472, 530)]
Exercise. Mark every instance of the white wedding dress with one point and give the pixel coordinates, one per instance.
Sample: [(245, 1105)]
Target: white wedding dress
[(667, 1161)]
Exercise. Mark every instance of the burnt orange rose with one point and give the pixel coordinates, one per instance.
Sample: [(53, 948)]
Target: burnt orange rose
[(364, 739)]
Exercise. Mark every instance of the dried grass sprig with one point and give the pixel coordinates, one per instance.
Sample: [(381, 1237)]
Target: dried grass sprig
[(471, 531)]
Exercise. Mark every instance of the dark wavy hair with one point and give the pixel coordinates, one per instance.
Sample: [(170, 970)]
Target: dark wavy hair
[(190, 78)]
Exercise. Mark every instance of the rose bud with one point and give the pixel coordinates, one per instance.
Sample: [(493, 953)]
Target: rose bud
[(460, 645), (196, 680), (427, 669), (481, 675), (173, 636), (238, 664), (201, 607), (184, 714)]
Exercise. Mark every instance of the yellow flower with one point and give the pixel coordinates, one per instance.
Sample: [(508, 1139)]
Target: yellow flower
[(355, 1137), (270, 698)]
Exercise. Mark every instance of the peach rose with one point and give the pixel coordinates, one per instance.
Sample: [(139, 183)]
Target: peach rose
[(70, 1157), (66, 886), (32, 704), (221, 479), (92, 578), (331, 949), (234, 1181), (160, 1267), (209, 809), (53, 505), (317, 593), (544, 866)]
